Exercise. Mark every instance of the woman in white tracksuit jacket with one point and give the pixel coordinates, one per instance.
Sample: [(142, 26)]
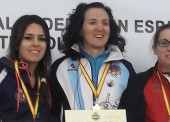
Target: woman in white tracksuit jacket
[(93, 70)]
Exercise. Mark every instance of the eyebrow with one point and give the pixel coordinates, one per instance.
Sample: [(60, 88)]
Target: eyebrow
[(28, 34), (32, 34), (96, 19), (163, 39)]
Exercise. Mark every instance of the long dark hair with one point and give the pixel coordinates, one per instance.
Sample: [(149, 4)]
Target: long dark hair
[(72, 33), (17, 33)]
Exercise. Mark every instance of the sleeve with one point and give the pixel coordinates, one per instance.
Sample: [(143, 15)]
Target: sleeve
[(55, 95), (59, 99), (3, 98), (132, 99)]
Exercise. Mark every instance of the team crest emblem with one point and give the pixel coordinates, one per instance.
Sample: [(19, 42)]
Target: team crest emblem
[(21, 98), (115, 70)]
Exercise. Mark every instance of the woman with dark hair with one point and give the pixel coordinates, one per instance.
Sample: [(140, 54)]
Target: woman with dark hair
[(155, 82), (24, 72), (93, 70)]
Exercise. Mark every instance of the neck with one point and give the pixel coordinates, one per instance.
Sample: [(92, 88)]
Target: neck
[(94, 52), (32, 67), (165, 68), (31, 70)]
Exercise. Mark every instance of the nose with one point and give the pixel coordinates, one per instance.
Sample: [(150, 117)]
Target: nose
[(99, 26), (169, 46), (36, 41)]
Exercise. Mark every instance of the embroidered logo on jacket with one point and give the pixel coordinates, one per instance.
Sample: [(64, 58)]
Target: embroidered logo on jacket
[(21, 98), (72, 68), (115, 70), (156, 87)]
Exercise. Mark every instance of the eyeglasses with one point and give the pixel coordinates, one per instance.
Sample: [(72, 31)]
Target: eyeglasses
[(163, 43)]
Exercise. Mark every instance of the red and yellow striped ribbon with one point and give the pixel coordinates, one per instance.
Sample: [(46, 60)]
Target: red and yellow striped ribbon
[(33, 108), (95, 91)]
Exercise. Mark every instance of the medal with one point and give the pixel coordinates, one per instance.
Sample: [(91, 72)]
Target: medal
[(95, 115), (21, 96)]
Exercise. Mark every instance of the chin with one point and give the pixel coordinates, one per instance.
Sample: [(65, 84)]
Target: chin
[(34, 61)]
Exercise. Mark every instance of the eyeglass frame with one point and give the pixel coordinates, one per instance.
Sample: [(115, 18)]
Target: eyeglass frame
[(165, 40)]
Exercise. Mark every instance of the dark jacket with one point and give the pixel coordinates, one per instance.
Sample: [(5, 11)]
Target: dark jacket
[(9, 110)]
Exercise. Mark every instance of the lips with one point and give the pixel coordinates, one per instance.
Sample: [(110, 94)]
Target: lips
[(167, 55)]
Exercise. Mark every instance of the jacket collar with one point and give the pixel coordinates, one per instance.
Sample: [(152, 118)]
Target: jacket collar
[(115, 53)]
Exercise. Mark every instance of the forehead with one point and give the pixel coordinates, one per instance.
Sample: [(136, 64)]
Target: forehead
[(165, 34), (34, 28), (96, 13)]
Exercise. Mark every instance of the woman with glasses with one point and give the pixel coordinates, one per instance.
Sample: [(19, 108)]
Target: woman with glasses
[(156, 80)]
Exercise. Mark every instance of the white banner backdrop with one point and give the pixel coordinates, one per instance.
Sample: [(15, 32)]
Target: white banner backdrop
[(138, 20)]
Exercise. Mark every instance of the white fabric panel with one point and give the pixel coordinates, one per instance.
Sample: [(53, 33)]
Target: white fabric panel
[(2, 75)]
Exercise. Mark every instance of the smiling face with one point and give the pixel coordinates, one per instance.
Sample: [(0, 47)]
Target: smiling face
[(163, 53), (96, 29), (33, 44)]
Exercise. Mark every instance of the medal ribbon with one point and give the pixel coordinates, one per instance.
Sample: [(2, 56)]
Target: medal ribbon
[(164, 94), (33, 108), (95, 91)]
